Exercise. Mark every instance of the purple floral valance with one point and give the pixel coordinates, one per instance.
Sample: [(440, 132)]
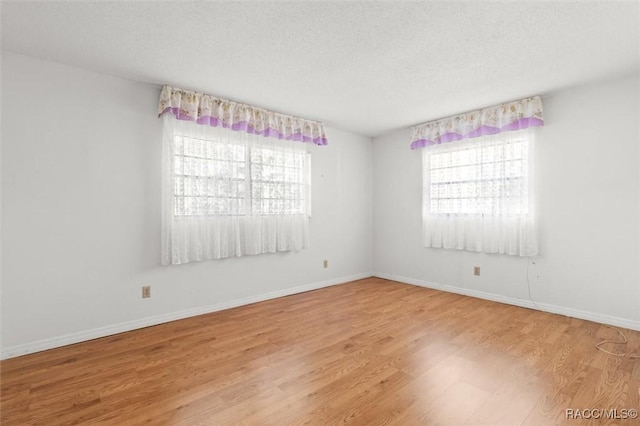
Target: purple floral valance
[(514, 115), (212, 111)]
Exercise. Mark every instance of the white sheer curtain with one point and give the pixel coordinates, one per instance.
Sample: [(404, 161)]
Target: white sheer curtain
[(230, 193), (478, 194)]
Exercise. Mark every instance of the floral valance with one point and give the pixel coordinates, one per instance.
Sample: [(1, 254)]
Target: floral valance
[(210, 110), (514, 115)]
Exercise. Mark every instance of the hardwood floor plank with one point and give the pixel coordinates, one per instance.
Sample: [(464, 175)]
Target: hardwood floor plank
[(368, 352)]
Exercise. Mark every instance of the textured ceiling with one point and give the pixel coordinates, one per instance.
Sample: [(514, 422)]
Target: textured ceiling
[(368, 67)]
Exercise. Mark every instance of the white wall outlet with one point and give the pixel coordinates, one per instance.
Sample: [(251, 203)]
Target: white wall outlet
[(476, 271), (325, 263), (146, 291)]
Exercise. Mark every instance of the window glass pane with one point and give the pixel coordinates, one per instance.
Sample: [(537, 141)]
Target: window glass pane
[(207, 175), (278, 179)]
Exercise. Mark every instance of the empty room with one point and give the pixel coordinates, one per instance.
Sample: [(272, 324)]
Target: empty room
[(337, 212)]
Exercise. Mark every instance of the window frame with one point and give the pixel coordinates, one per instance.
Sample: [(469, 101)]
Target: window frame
[(480, 143), (249, 182)]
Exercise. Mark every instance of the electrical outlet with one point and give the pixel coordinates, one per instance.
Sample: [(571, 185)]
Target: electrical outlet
[(146, 291), (476, 271), (326, 263)]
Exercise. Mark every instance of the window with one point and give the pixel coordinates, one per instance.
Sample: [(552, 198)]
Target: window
[(214, 178), (231, 193), (481, 178), (478, 194)]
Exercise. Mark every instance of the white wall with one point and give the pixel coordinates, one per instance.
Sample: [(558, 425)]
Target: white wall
[(587, 190), (81, 214)]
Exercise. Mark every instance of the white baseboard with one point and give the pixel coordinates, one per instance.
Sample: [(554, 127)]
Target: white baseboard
[(109, 330), (554, 309)]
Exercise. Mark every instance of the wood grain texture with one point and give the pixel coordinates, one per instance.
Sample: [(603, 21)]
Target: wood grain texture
[(368, 352)]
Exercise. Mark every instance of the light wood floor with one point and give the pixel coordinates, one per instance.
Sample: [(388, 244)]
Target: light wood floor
[(368, 352)]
